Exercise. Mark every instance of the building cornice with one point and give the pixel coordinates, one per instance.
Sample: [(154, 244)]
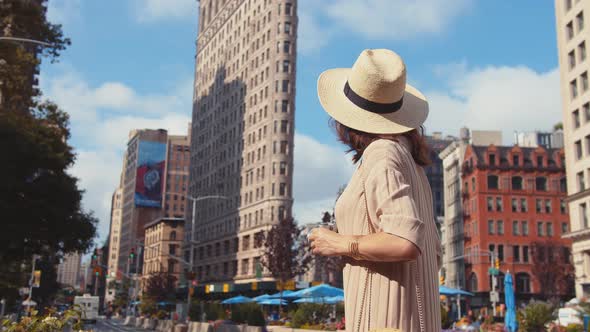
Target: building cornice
[(578, 195), (578, 235)]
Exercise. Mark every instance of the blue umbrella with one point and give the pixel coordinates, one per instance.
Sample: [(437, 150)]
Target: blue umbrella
[(311, 300), (278, 295), (273, 302), (164, 303), (510, 318), (237, 300), (322, 290), (261, 297), (335, 299), (444, 290)]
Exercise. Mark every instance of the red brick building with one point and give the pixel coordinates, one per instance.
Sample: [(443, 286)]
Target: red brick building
[(513, 203)]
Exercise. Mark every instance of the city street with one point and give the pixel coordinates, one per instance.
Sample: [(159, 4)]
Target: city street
[(107, 325)]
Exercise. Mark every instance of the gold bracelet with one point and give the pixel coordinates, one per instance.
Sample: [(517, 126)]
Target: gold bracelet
[(353, 250)]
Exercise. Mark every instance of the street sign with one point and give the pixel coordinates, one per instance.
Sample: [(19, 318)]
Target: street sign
[(494, 296)]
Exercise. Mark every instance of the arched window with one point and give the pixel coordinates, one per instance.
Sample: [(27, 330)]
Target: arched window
[(492, 182), (472, 283), (517, 183), (523, 283), (173, 235)]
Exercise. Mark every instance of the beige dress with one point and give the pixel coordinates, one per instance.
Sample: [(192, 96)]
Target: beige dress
[(402, 295)]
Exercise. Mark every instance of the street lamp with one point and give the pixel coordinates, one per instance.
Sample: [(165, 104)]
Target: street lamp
[(192, 242)]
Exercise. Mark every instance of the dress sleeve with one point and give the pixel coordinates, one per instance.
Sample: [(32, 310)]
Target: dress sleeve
[(391, 206)]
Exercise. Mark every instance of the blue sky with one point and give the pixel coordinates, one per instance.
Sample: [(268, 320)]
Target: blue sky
[(484, 64)]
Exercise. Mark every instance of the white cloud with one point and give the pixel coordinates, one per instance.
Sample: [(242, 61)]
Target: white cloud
[(496, 98), (63, 11), (158, 10), (101, 118), (320, 170), (374, 19)]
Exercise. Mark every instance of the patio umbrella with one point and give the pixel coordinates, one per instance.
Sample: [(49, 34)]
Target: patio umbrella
[(444, 290), (311, 300), (273, 302), (335, 299), (286, 294), (261, 297), (322, 290), (164, 303), (29, 303), (237, 300), (510, 318)]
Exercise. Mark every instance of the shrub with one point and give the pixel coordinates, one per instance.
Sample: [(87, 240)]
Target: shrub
[(535, 316), (310, 313), (248, 313), (71, 319), (147, 306)]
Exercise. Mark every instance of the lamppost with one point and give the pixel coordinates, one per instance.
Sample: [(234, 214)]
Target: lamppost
[(478, 253), (192, 242)]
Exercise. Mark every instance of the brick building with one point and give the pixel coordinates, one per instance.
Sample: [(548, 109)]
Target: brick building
[(514, 207), (163, 242)]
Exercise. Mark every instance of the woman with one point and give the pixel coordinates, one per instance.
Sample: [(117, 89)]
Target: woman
[(385, 219)]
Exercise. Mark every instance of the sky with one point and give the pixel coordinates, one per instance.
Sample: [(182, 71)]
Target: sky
[(488, 65)]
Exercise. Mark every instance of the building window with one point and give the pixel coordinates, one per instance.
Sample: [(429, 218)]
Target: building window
[(492, 158), (245, 266), (583, 215), (569, 30), (514, 205), (517, 183), (500, 227), (547, 206), (582, 51), (173, 236), (282, 189), (581, 182), (562, 206), (523, 283), (523, 205), (515, 228), (285, 86), (566, 254), (568, 4), (571, 59), (287, 27), (492, 182), (287, 47), (525, 227), (284, 106), (580, 21), (499, 206), (491, 227), (539, 205), (288, 8), (573, 89), (576, 118), (584, 78), (540, 229), (515, 160), (286, 65), (541, 183), (501, 252), (525, 254), (516, 253), (490, 204), (549, 227), (283, 168)]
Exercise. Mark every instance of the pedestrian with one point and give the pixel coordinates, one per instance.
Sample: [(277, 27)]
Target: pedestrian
[(385, 220)]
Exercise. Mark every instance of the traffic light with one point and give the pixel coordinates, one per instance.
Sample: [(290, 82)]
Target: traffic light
[(132, 253), (441, 280), (497, 263)]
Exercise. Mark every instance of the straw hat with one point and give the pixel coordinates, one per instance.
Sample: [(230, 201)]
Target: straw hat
[(373, 96)]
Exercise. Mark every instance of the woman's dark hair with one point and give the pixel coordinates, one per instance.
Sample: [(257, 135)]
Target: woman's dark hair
[(357, 141)]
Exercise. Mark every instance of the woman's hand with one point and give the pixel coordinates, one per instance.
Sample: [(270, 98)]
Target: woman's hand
[(325, 242)]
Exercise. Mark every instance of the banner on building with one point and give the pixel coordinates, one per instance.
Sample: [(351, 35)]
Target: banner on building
[(151, 159)]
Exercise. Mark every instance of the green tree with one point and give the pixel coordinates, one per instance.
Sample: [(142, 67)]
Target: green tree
[(284, 256), (39, 200), (160, 286)]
